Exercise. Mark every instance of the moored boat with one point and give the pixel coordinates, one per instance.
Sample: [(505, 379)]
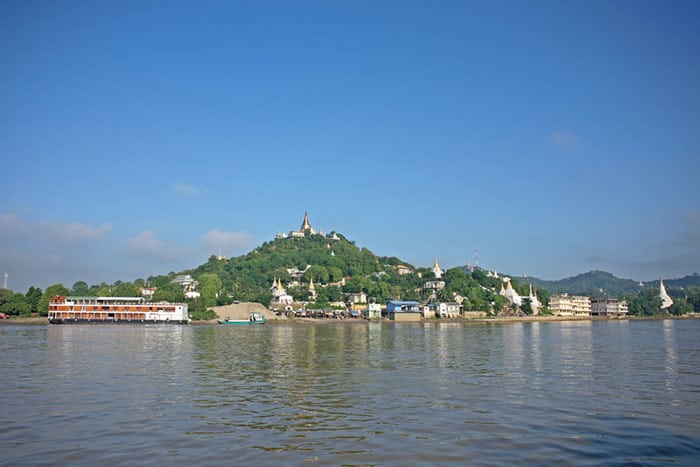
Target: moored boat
[(254, 318), (115, 310)]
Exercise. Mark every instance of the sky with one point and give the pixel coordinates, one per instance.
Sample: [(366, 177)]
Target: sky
[(546, 138)]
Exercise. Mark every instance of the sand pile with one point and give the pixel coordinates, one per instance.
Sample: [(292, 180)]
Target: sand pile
[(242, 311)]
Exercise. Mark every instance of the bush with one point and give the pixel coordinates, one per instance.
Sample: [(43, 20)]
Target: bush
[(204, 315)]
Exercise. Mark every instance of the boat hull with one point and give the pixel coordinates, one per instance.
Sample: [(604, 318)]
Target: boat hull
[(113, 321), (242, 322)]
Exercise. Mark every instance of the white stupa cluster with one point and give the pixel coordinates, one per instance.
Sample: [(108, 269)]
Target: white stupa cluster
[(514, 298)]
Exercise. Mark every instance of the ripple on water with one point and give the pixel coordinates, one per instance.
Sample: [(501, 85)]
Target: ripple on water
[(555, 393)]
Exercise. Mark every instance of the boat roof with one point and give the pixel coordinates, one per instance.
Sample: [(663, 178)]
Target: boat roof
[(109, 299)]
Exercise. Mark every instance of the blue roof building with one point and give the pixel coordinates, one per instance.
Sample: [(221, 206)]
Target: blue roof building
[(402, 306)]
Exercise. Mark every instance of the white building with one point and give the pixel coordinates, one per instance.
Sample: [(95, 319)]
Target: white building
[(534, 302), (374, 310), (446, 309), (188, 284), (510, 293), (148, 292), (434, 285), (279, 294), (356, 298), (570, 305), (437, 270)]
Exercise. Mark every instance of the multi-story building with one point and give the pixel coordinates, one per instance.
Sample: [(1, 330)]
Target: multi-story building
[(570, 305), (608, 307)]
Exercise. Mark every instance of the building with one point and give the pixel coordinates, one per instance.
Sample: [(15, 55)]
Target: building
[(312, 290), (434, 285), (355, 298), (534, 302), (280, 297), (304, 230), (446, 309), (570, 305), (188, 284), (510, 293), (608, 307), (399, 310), (148, 292), (374, 310), (437, 270), (402, 269)]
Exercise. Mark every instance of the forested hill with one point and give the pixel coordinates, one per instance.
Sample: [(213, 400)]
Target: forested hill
[(320, 257), (601, 283)]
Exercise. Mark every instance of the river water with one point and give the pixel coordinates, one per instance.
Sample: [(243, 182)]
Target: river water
[(574, 393)]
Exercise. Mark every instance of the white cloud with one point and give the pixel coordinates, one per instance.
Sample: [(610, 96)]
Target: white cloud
[(45, 252), (11, 225), (216, 240), (50, 232), (40, 253), (74, 232), (188, 190), (565, 138), (146, 244)]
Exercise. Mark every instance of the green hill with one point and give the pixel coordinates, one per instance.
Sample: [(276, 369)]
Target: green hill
[(337, 267), (601, 283), (325, 260), (592, 283)]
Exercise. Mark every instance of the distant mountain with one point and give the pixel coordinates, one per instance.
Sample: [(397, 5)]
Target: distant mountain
[(687, 281), (601, 283)]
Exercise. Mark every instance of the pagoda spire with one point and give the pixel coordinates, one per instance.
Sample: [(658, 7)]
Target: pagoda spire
[(306, 225)]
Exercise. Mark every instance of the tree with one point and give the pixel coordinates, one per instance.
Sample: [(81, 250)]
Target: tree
[(543, 297), (318, 273), (80, 288), (51, 291), (124, 289), (169, 293), (5, 296), (334, 274), (357, 284), (16, 304), (197, 309), (209, 286), (32, 298)]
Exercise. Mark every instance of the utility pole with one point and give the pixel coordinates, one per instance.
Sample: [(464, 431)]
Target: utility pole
[(4, 283)]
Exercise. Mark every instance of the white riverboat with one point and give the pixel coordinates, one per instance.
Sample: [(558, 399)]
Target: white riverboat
[(118, 310)]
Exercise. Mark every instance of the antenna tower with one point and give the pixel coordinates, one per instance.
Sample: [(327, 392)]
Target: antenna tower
[(476, 258)]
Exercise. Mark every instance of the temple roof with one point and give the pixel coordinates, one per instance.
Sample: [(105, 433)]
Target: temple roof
[(306, 225)]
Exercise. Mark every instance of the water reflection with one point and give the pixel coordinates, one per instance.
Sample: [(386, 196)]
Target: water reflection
[(366, 393), (671, 370)]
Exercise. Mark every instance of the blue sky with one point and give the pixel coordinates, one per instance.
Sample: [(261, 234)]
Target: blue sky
[(554, 137)]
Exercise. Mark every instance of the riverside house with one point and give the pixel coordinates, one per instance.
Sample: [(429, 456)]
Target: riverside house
[(398, 310)]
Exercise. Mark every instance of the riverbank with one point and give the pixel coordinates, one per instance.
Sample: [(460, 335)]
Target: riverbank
[(276, 320)]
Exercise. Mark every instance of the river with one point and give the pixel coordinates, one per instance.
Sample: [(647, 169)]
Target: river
[(547, 393)]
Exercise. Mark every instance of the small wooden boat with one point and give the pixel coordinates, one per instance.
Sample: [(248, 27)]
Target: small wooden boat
[(254, 318)]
